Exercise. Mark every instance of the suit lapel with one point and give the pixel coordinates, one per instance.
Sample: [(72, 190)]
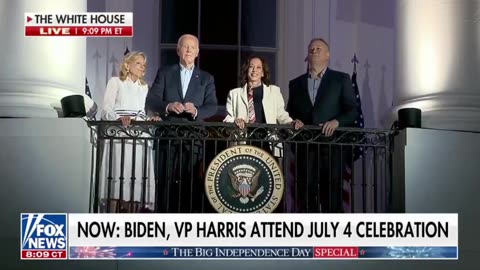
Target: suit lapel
[(304, 89), (178, 81), (241, 103), (268, 104), (193, 85), (243, 95)]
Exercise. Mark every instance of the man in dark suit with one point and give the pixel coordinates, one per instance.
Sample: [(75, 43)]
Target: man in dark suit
[(181, 92), (324, 97)]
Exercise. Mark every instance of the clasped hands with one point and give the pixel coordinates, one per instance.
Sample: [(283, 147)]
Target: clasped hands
[(178, 108), (240, 122)]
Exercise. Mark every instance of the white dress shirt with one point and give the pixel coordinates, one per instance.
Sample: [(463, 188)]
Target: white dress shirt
[(185, 77), (124, 98), (314, 82)]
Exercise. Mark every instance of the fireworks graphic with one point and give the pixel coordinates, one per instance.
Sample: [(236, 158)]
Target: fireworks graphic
[(413, 252), (92, 252)]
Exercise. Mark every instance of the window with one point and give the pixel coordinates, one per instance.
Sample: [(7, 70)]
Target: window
[(229, 32), (178, 17)]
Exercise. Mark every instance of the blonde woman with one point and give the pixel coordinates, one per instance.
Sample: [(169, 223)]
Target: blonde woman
[(125, 101), (125, 95)]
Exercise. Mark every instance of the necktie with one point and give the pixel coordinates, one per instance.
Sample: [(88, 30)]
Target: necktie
[(251, 108)]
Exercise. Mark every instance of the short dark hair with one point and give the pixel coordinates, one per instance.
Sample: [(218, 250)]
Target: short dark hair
[(321, 40), (266, 71)]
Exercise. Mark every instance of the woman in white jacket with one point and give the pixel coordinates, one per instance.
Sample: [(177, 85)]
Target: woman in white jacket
[(125, 101), (257, 101)]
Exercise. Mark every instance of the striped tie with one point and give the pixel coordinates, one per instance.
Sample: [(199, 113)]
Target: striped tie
[(251, 108)]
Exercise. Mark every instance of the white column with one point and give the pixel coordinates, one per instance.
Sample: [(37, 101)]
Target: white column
[(438, 61), (36, 72)]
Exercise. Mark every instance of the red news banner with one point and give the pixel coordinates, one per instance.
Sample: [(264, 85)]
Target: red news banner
[(87, 24)]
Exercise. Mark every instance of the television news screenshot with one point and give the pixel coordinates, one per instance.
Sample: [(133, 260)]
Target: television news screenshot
[(213, 134)]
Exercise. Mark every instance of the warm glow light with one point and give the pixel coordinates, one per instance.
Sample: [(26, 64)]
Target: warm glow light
[(431, 28), (427, 51), (428, 69)]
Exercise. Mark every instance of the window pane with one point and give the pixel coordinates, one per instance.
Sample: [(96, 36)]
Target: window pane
[(219, 22), (270, 58), (168, 57), (223, 66), (259, 23), (178, 17)]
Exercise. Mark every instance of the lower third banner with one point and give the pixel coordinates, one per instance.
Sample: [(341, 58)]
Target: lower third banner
[(264, 252)]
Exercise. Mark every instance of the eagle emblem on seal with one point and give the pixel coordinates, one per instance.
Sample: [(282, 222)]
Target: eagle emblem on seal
[(244, 179)]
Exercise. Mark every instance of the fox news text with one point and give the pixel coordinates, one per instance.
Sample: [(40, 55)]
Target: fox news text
[(88, 24), (43, 236), (239, 236)]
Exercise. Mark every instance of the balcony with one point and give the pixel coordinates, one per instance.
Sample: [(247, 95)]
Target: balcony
[(164, 167)]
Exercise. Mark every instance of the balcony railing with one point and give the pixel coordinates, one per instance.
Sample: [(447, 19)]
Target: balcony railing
[(172, 167)]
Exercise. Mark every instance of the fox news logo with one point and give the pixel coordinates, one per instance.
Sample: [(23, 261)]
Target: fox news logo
[(43, 236)]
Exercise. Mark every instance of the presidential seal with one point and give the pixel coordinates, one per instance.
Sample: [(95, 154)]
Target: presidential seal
[(244, 179)]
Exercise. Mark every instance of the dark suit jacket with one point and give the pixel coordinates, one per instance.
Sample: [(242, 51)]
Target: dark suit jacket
[(167, 88), (335, 99)]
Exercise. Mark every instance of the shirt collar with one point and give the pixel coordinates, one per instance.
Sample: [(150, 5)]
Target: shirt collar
[(183, 68), (311, 75), (134, 82)]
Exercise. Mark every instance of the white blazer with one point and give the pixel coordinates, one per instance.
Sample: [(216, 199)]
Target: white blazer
[(273, 105), (273, 108)]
